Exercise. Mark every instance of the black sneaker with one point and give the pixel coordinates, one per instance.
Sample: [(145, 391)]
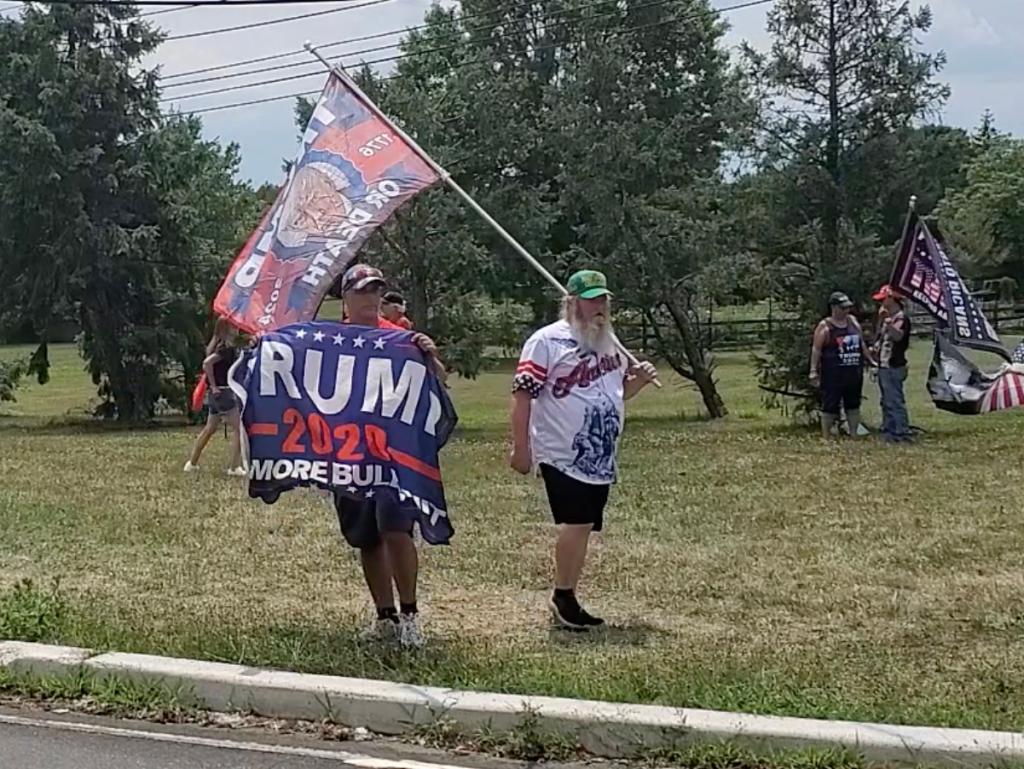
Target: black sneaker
[(589, 619), (568, 613)]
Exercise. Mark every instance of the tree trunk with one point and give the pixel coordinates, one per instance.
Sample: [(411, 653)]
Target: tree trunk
[(107, 357), (701, 375), (832, 149)]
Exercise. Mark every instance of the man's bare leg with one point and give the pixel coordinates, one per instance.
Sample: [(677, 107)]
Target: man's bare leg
[(571, 554), (405, 564), (377, 571)]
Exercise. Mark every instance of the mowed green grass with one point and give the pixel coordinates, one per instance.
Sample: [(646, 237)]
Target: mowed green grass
[(746, 565)]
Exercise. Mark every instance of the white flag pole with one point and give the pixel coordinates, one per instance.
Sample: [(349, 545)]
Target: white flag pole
[(447, 179)]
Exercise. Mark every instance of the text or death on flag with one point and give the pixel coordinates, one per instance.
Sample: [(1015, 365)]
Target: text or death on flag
[(352, 409), (353, 172)]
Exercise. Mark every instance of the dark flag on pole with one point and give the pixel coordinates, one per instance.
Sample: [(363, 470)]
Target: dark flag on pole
[(925, 273)]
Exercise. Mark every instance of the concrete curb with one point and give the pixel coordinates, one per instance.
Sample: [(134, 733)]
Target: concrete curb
[(603, 728)]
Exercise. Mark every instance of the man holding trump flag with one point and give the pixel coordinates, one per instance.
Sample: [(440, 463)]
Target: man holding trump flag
[(357, 408)]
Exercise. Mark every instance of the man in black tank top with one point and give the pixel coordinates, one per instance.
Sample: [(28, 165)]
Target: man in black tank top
[(893, 341), (837, 364)]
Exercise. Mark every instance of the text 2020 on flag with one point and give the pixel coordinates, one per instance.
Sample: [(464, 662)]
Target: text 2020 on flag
[(348, 408)]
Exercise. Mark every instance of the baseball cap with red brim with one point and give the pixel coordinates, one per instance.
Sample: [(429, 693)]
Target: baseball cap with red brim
[(885, 292)]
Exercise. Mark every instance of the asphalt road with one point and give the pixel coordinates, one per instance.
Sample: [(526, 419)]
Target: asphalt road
[(35, 740)]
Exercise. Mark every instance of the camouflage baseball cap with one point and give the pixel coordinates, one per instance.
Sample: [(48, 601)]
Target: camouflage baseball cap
[(359, 276), (588, 284)]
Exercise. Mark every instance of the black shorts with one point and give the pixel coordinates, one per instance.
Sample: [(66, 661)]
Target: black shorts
[(574, 502), (362, 521), (842, 387)]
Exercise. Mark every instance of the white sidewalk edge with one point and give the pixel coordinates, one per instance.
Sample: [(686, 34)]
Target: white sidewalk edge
[(603, 728)]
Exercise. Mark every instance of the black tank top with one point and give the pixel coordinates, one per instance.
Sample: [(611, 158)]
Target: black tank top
[(842, 349), (225, 358)]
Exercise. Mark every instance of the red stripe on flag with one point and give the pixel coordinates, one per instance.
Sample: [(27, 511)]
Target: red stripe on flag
[(1018, 389), (414, 464), (528, 367), (263, 428), (1003, 400)]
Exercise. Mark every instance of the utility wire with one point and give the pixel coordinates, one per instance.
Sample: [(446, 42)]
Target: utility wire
[(435, 49), (220, 107), (267, 23)]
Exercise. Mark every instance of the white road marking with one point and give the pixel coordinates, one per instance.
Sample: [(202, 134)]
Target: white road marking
[(341, 756)]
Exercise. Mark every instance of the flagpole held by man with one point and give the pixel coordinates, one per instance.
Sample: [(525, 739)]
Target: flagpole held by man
[(567, 416), (443, 175)]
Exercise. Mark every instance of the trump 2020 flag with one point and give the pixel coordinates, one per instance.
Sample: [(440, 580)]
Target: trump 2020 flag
[(925, 273), (353, 173), (348, 408)]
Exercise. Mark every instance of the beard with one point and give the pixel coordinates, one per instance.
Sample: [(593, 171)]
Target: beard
[(593, 336)]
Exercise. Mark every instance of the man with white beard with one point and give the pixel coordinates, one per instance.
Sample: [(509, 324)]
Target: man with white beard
[(567, 412)]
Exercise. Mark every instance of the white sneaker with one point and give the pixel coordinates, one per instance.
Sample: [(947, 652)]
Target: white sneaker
[(380, 630), (191, 468), (409, 634), (238, 472)]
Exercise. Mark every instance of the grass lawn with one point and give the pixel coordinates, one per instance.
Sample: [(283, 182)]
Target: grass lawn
[(746, 564)]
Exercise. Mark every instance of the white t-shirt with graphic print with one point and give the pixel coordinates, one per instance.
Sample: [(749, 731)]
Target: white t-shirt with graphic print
[(578, 407)]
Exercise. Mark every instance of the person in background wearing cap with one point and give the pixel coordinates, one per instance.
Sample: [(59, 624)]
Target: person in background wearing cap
[(383, 536), (392, 308), (893, 341), (837, 364), (567, 415)]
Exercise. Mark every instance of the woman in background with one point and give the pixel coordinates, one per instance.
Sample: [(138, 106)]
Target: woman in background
[(221, 403)]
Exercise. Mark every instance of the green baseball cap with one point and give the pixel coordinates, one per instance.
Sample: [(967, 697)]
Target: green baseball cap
[(588, 284)]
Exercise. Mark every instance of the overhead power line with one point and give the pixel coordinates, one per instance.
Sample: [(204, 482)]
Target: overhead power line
[(268, 22), (193, 3), (166, 10), (390, 46), (360, 39), (217, 108)]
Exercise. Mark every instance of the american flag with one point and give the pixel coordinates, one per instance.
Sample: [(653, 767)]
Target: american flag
[(1018, 353), (1006, 392)]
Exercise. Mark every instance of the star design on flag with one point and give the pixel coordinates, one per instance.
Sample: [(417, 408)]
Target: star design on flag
[(351, 489), (359, 342), (378, 344), (339, 339), (318, 336), (369, 494), (300, 334)]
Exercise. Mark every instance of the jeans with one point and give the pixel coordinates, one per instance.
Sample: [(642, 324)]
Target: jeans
[(895, 422)]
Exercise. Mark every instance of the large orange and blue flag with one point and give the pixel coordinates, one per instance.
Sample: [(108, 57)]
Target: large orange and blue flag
[(354, 171), (351, 409)]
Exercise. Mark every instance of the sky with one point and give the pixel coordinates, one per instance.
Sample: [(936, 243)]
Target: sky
[(983, 41)]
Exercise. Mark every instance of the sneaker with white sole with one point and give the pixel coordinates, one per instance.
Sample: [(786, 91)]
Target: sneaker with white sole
[(238, 472), (380, 630), (409, 634), (191, 468), (569, 614)]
